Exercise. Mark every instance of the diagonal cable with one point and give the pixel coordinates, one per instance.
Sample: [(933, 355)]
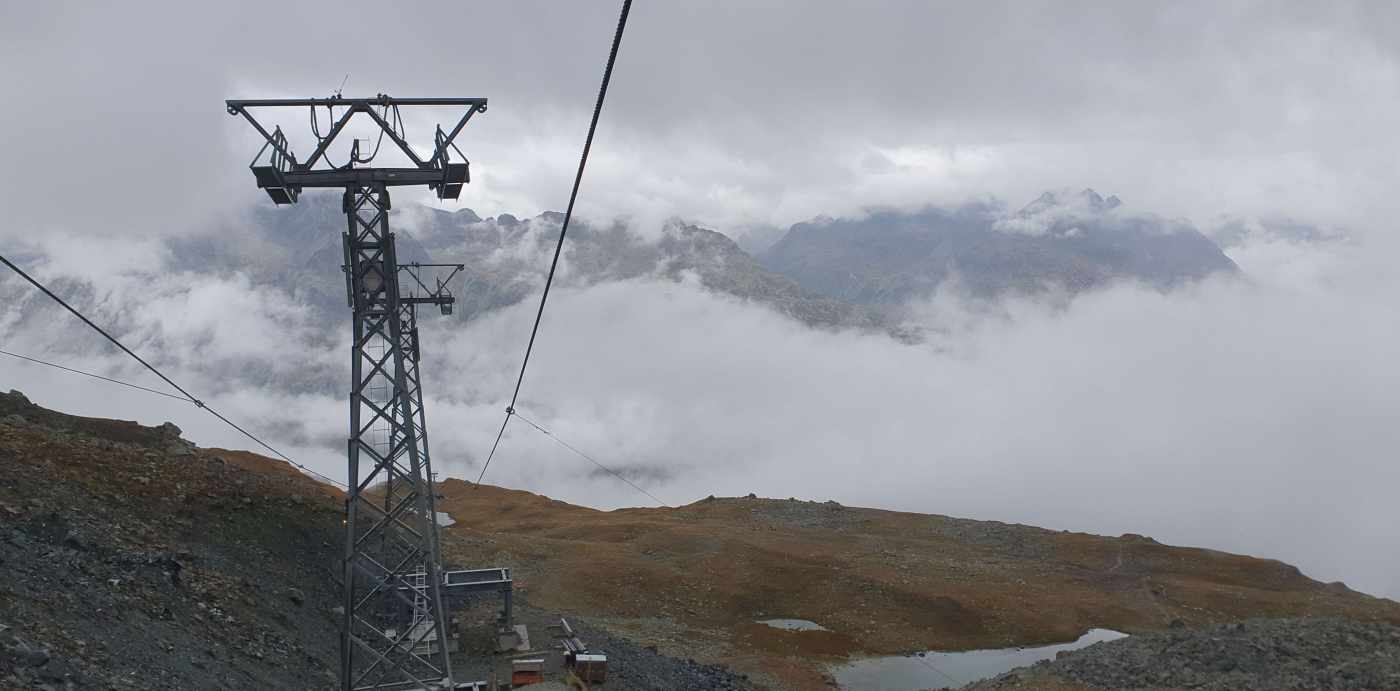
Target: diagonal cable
[(588, 458), (98, 329), (563, 229), (495, 445), (188, 396), (573, 195), (94, 376)]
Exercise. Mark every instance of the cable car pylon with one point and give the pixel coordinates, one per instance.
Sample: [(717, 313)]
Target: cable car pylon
[(394, 633)]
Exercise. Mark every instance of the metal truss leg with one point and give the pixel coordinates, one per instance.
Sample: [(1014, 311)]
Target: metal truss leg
[(394, 633)]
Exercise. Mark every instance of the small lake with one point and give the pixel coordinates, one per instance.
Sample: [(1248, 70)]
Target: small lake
[(935, 670), (793, 624)]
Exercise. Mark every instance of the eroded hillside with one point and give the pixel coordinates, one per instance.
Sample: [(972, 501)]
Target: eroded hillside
[(133, 559), (698, 576)]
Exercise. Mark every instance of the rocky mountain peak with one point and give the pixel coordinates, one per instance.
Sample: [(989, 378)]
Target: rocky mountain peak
[(1083, 201), (1066, 240)]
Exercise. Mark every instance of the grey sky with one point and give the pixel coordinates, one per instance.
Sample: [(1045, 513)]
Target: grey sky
[(727, 113)]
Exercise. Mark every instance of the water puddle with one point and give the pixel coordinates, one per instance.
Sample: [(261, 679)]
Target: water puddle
[(938, 670), (793, 624)]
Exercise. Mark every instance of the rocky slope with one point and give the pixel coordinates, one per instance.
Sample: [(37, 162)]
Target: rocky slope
[(133, 559), (1261, 655), (1061, 241)]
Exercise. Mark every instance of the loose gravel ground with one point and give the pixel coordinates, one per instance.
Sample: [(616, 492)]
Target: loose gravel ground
[(1258, 655), (639, 668), (129, 559)]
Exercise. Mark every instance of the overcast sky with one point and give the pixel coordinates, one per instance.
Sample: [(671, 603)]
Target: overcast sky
[(1256, 416), (725, 113)]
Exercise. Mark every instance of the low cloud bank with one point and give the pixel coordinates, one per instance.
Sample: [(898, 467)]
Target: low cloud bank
[(1248, 415), (1252, 415)]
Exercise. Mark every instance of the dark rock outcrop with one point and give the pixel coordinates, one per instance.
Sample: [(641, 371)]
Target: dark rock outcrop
[(1060, 241)]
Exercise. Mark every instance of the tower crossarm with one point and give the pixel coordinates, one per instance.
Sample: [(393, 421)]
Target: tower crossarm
[(282, 175)]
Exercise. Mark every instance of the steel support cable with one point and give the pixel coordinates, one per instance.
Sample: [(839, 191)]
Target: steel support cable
[(173, 396), (188, 397), (495, 444), (563, 229), (94, 376), (588, 458), (267, 446), (98, 329)]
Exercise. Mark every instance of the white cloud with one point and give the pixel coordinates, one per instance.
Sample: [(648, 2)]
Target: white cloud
[(1249, 416)]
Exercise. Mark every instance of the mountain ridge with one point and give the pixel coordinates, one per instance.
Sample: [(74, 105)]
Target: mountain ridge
[(1060, 241)]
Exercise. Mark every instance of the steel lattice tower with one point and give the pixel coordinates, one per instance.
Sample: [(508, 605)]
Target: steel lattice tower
[(394, 634)]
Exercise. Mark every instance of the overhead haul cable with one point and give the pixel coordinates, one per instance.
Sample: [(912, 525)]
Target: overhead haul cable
[(187, 395), (563, 230)]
